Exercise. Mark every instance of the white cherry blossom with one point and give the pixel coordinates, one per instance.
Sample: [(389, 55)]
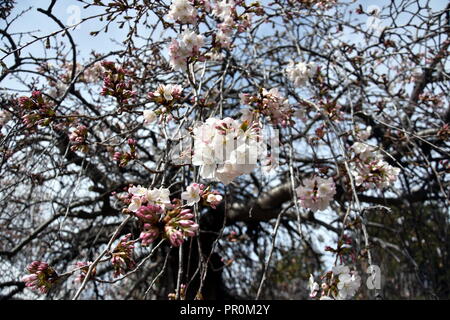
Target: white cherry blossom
[(316, 193), (192, 194)]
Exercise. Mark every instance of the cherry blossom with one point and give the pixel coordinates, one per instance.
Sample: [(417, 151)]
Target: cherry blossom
[(313, 286), (179, 224), (150, 116), (225, 149), (182, 11), (369, 169), (192, 194), (316, 193), (348, 285), (187, 46), (214, 200), (270, 103), (300, 72), (166, 93)]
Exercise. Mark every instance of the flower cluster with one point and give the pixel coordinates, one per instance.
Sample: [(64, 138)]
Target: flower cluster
[(182, 11), (78, 138), (196, 192), (331, 109), (122, 256), (178, 224), (187, 47), (338, 284), (270, 104), (225, 11), (149, 215), (37, 110), (300, 72), (369, 169), (124, 157), (142, 196), (226, 149), (160, 217), (41, 277), (316, 193), (84, 268), (114, 83), (166, 94)]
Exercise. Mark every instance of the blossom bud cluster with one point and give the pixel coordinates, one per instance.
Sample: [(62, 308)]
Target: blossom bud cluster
[(122, 256), (338, 284), (78, 138), (114, 83), (123, 158), (160, 217), (37, 111), (84, 268), (178, 224), (42, 277)]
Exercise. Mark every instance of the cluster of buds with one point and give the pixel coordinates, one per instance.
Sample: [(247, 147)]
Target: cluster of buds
[(150, 216), (158, 216), (122, 256), (37, 111), (178, 224), (84, 268), (331, 109), (174, 224), (78, 138), (123, 158), (338, 284), (270, 104), (41, 277), (166, 95), (344, 249), (198, 192), (114, 83)]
